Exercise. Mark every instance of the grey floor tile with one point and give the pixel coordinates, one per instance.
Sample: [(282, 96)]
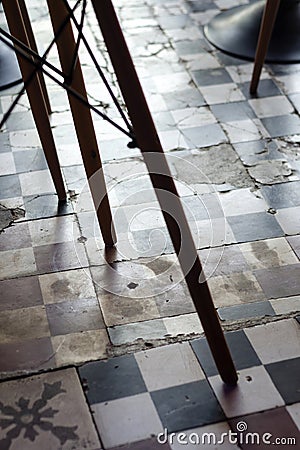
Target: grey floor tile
[(254, 151), (20, 121), (189, 97), (282, 125), (147, 330), (283, 281), (204, 136), (294, 242), (274, 424), (189, 47), (251, 310), (211, 76), (20, 293), (170, 365), (266, 88), (27, 355), (174, 21), (15, 236), (74, 316), (46, 411), (229, 112), (134, 419), (28, 160), (284, 195), (275, 341), (4, 143), (255, 392), (42, 206), (255, 226), (10, 187)]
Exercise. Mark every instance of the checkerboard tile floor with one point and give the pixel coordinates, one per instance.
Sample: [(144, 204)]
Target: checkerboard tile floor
[(64, 302), (162, 397)]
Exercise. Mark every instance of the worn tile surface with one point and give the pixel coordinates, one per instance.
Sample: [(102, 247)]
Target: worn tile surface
[(46, 411)]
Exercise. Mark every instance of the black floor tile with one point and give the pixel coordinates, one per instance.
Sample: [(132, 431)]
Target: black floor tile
[(242, 352), (113, 379), (187, 406), (285, 376)]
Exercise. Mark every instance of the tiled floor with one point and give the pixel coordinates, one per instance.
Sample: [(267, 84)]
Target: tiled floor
[(135, 401), (120, 325)]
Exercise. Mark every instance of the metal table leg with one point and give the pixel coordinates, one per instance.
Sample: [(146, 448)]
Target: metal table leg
[(82, 119), (35, 96), (164, 186)]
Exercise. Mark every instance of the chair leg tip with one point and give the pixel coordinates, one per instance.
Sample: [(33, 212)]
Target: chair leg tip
[(231, 381)]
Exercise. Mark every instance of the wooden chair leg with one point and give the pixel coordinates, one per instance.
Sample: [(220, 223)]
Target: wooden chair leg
[(164, 186), (33, 46), (83, 121), (265, 33), (35, 96)]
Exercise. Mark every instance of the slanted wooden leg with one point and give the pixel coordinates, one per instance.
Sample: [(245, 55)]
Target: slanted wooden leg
[(83, 121), (265, 33), (35, 96), (33, 46), (164, 186)]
